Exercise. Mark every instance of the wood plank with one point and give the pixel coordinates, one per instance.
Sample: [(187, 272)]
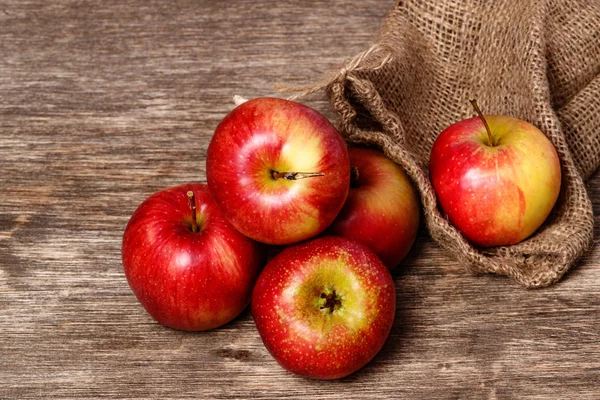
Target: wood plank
[(104, 103)]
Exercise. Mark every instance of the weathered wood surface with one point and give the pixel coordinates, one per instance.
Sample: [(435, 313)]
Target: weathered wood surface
[(104, 103)]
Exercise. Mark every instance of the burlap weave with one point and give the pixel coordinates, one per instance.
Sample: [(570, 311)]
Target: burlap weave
[(537, 60)]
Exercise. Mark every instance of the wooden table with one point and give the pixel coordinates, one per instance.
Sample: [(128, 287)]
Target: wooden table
[(104, 103)]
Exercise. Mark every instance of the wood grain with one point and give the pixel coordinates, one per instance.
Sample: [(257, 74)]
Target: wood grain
[(104, 103)]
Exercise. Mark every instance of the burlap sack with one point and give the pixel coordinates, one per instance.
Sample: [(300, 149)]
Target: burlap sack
[(535, 60)]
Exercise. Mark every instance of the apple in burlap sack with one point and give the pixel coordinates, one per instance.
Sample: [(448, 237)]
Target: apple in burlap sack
[(496, 177)]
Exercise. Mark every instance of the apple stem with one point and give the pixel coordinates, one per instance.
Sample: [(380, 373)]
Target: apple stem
[(192, 203), (294, 176), (487, 127)]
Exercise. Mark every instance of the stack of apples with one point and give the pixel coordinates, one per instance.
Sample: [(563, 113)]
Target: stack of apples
[(280, 177), (339, 219)]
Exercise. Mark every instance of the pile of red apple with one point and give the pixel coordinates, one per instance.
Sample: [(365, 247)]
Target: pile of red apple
[(281, 178)]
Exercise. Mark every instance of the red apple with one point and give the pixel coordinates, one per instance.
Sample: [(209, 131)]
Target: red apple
[(189, 273), (497, 183), (382, 209), (278, 169), (324, 308)]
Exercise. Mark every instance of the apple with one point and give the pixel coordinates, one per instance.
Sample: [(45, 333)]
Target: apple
[(496, 177), (325, 307), (382, 209), (188, 267), (278, 169)]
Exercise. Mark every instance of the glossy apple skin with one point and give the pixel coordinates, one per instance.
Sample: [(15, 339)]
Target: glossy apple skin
[(495, 195), (192, 281), (312, 341), (265, 135), (382, 209)]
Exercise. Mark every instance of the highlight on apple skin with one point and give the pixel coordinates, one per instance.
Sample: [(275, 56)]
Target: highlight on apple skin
[(324, 308), (189, 274), (278, 169), (497, 187)]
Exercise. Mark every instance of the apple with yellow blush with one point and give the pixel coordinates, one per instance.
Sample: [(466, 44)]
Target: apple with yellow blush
[(278, 169), (325, 307), (496, 177)]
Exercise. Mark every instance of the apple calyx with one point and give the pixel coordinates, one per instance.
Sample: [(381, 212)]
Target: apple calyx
[(192, 203), (332, 300), (294, 176), (487, 127)]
